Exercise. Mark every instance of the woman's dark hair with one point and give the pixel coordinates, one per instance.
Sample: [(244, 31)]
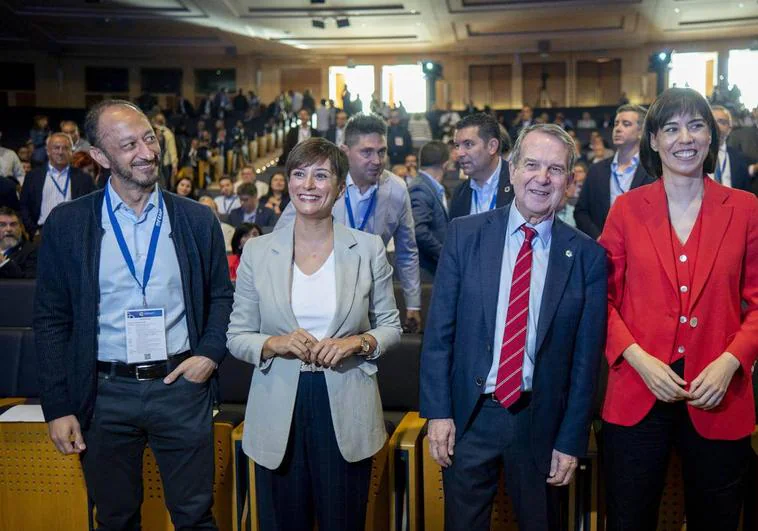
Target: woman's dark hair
[(315, 150), (192, 186), (285, 192), (673, 102), (239, 232)]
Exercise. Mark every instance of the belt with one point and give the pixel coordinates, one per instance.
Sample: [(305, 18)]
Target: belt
[(523, 401), (142, 371)]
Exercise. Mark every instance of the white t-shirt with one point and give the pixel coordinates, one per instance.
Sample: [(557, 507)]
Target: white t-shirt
[(314, 298)]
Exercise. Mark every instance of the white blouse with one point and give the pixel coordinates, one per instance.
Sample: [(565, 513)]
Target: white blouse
[(314, 298)]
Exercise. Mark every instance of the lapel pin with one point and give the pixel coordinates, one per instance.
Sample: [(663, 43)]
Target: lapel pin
[(569, 253), (507, 189)]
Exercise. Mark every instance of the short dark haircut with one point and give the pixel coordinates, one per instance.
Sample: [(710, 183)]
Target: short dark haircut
[(434, 153), (363, 124), (247, 189), (313, 151), (488, 128), (673, 102), (8, 211), (631, 107), (92, 120), (505, 141), (225, 178), (241, 231)]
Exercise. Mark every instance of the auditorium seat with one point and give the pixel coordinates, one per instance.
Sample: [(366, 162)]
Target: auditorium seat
[(17, 296)]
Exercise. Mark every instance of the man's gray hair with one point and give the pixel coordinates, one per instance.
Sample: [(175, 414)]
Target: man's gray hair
[(553, 130), (59, 135), (724, 110)]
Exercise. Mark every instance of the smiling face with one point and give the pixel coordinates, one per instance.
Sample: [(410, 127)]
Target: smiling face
[(313, 190), (128, 146), (682, 143), (540, 176), (59, 150)]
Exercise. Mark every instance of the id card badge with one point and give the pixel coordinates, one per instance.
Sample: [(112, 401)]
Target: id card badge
[(145, 335), (399, 141)]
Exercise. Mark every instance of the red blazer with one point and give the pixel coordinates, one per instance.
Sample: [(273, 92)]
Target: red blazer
[(643, 301)]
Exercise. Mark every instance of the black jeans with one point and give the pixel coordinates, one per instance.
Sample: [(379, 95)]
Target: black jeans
[(636, 460), (176, 421)]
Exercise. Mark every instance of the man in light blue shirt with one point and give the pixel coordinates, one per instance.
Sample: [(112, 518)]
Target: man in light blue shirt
[(119, 291), (478, 144)]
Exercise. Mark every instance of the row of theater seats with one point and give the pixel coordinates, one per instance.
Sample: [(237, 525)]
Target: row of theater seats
[(44, 490)]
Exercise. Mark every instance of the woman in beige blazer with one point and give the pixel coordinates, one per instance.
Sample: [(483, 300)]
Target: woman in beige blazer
[(313, 309)]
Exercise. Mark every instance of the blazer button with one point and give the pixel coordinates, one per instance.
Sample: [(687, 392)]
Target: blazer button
[(479, 381)]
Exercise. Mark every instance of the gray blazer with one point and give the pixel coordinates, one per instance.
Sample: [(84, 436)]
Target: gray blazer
[(262, 308), (392, 219)]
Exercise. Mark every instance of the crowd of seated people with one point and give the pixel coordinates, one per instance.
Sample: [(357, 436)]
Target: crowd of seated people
[(606, 149), (388, 170)]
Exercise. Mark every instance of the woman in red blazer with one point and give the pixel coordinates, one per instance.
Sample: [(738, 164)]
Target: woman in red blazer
[(682, 327)]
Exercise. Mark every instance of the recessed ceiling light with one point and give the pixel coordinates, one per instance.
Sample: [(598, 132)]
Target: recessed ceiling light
[(741, 4), (413, 11), (418, 23), (677, 10)]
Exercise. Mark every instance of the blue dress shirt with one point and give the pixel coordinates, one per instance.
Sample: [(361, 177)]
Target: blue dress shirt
[(514, 238), (118, 289), (482, 199), (621, 181)]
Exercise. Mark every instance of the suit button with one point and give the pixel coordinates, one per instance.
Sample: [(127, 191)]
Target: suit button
[(693, 322), (479, 381), (489, 348)]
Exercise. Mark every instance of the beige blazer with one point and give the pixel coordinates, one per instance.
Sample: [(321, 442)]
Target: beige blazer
[(262, 308)]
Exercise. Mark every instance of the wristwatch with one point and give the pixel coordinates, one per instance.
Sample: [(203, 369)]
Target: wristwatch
[(365, 346)]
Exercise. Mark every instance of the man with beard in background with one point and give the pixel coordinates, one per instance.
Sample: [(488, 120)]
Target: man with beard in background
[(18, 256), (131, 312)]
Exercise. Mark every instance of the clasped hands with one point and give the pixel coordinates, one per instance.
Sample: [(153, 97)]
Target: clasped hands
[(705, 392), (329, 352)]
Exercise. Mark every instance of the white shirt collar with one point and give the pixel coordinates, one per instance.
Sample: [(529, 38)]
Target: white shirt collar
[(544, 228)]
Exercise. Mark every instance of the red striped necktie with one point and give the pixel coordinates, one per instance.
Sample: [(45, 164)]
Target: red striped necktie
[(508, 388)]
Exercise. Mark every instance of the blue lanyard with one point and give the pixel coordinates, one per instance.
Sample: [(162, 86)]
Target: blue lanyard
[(493, 202), (63, 191), (125, 250), (371, 205)]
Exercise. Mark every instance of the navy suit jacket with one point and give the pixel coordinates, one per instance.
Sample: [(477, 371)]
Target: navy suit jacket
[(68, 293), (460, 204), (8, 196), (265, 218), (430, 219), (457, 351), (595, 199), (31, 193), (738, 169)]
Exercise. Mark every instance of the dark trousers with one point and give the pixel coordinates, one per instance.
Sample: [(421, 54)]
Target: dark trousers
[(636, 461), (176, 422), (314, 477), (496, 440)]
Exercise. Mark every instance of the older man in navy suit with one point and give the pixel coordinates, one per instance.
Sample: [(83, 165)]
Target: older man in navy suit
[(512, 344)]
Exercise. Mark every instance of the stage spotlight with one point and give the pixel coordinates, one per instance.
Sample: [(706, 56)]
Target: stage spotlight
[(343, 22)]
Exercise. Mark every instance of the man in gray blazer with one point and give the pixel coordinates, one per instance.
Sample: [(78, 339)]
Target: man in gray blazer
[(429, 204), (377, 201)]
